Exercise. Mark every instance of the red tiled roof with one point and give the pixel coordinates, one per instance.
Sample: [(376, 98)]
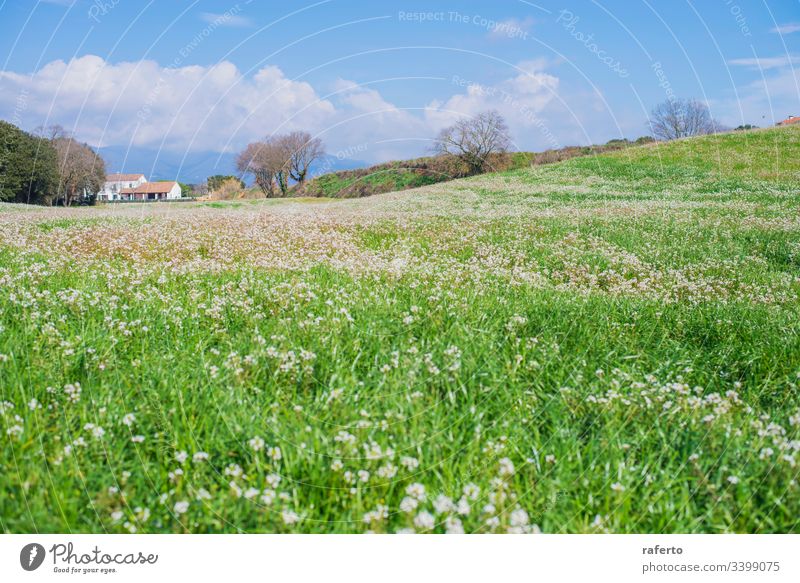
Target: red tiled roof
[(150, 188), (790, 120), (123, 177)]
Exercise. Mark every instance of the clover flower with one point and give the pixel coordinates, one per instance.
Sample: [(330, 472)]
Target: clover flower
[(290, 517), (506, 467), (442, 504), (408, 504), (424, 520), (416, 490)]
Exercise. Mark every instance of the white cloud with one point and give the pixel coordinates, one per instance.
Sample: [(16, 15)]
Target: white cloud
[(788, 28), (521, 99), (217, 108), (226, 19), (374, 127), (766, 62), (191, 107)]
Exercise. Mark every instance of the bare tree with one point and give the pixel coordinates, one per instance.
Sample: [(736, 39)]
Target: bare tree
[(200, 189), (81, 171), (474, 139), (280, 155), (276, 160), (257, 159), (52, 133), (302, 150), (681, 118)]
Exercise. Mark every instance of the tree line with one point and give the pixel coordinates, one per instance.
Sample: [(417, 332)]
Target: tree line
[(47, 167)]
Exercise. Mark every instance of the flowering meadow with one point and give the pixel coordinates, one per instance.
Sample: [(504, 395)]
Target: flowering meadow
[(609, 344)]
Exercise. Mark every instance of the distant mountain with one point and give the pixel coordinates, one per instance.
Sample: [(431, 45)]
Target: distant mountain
[(187, 167), (193, 167)]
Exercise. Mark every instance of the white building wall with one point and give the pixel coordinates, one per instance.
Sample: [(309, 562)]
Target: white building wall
[(111, 190), (175, 192)]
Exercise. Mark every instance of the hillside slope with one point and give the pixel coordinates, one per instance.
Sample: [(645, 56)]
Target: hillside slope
[(407, 174), (767, 154)]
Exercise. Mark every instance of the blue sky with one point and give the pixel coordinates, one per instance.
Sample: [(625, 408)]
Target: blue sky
[(377, 80)]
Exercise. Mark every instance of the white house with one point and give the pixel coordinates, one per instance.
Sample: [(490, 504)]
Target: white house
[(116, 182), (152, 191)]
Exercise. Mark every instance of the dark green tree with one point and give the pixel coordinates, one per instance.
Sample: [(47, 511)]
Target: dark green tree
[(28, 167)]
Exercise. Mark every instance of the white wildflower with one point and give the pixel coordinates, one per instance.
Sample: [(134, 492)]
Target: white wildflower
[(408, 504), (506, 467), (416, 490), (424, 520), (443, 504), (290, 517), (519, 518), (452, 525), (409, 463), (471, 491)]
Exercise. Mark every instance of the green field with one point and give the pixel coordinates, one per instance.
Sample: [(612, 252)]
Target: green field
[(608, 344)]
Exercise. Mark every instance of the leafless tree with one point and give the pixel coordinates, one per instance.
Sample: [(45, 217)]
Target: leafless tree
[(303, 150), (258, 159), (200, 189), (276, 160), (681, 118), (474, 139), (280, 155), (81, 171), (52, 133)]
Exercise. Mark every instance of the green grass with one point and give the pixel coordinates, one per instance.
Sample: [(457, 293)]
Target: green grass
[(606, 344)]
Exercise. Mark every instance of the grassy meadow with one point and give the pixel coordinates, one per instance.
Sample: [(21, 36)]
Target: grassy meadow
[(608, 344)]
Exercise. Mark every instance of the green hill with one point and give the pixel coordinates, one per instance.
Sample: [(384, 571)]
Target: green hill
[(406, 174), (770, 154)]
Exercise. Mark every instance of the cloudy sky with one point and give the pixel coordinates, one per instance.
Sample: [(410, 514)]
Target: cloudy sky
[(377, 80)]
